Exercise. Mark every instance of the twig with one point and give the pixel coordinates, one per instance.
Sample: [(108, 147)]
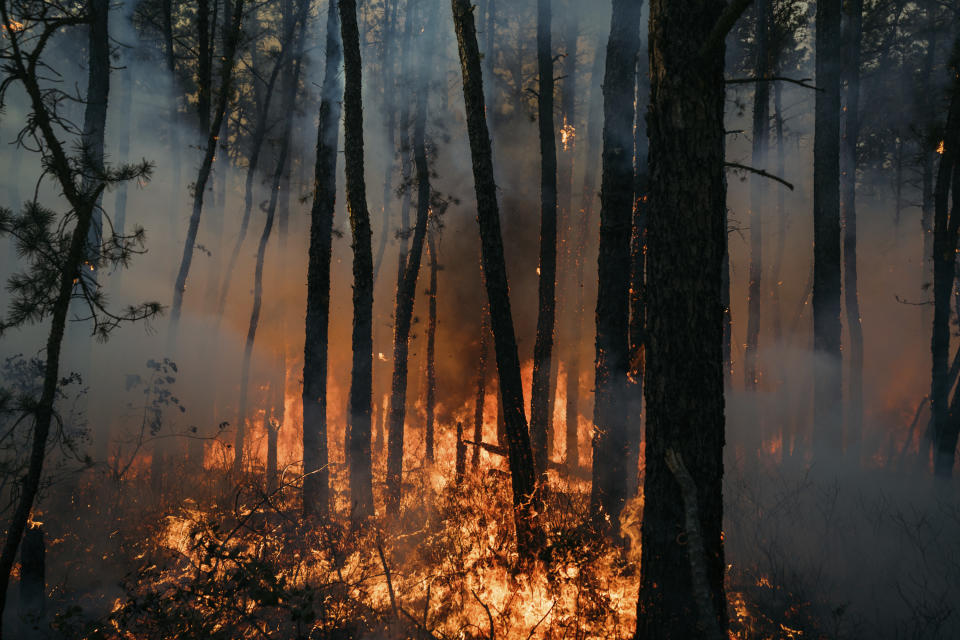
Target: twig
[(803, 82), (759, 172), (386, 572), (487, 609)]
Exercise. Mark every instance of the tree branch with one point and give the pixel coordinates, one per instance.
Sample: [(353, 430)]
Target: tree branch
[(759, 172), (724, 23), (803, 82)]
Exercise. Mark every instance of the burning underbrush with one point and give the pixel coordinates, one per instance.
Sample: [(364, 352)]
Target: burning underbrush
[(242, 564)]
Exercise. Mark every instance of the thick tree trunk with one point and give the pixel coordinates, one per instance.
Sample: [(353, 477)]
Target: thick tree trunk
[(316, 481), (684, 381), (495, 272), (361, 380), (611, 405), (638, 263), (827, 395), (848, 186), (946, 225), (231, 38), (543, 349)]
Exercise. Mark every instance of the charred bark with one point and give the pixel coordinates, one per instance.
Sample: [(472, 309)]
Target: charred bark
[(494, 269), (946, 225), (684, 381), (827, 395), (546, 310), (406, 296), (361, 380), (316, 481), (611, 405)]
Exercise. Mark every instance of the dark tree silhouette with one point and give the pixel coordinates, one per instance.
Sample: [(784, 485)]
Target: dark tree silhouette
[(316, 481), (681, 585), (361, 379), (495, 276), (827, 395), (610, 440), (543, 349)]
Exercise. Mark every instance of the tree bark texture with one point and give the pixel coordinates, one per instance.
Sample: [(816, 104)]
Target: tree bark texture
[(361, 380), (495, 272), (611, 404), (316, 481), (684, 381)]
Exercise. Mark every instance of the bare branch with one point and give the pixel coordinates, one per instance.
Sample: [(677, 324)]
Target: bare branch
[(759, 172)]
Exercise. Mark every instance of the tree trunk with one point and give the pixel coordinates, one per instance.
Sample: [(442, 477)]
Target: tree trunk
[(481, 386), (204, 63), (361, 379), (495, 272), (431, 407), (543, 349), (611, 405), (282, 156), (253, 162), (848, 186), (946, 225), (758, 192), (775, 284), (170, 59), (827, 396), (316, 481), (588, 197), (684, 381), (407, 285), (231, 38), (390, 113), (638, 259)]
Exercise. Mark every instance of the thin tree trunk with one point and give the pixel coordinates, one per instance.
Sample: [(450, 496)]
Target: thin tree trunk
[(204, 63), (758, 192), (775, 284), (848, 181), (567, 315), (431, 407), (588, 198), (231, 38), (495, 272), (170, 58), (361, 379), (316, 481), (684, 381), (282, 157), (480, 397), (827, 407), (253, 162), (611, 405), (407, 287), (389, 108), (546, 310)]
